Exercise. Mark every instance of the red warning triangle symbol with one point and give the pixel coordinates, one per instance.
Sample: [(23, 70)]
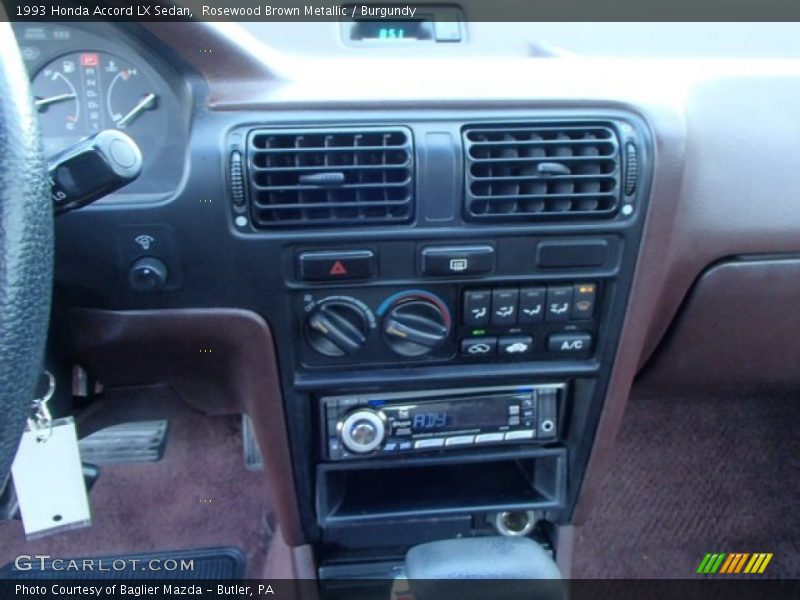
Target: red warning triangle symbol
[(338, 268)]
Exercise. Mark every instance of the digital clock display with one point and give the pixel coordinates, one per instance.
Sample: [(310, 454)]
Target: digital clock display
[(454, 416), (392, 30)]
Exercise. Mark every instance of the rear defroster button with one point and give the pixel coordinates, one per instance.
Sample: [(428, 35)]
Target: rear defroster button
[(457, 260)]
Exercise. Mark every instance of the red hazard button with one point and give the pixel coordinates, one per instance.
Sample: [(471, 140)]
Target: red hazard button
[(338, 268), (337, 265)]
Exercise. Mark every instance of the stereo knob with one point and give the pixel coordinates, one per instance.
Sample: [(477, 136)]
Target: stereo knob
[(337, 328), (362, 431), (416, 326)]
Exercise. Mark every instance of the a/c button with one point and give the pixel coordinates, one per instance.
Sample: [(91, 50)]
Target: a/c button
[(570, 343)]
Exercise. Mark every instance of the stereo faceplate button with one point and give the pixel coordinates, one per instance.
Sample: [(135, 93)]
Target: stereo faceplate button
[(459, 440), (486, 438), (522, 434), (432, 443)]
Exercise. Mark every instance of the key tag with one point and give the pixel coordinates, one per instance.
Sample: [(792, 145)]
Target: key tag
[(47, 472)]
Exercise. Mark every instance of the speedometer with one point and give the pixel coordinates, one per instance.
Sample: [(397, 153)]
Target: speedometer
[(81, 93)]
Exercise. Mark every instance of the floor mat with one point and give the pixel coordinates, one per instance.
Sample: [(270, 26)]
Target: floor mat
[(692, 476), (199, 495), (210, 563)]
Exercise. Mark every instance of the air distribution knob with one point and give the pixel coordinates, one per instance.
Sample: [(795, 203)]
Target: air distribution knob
[(362, 431), (416, 326), (337, 328)]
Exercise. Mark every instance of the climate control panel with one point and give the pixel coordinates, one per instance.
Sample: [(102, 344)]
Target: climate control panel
[(455, 323), (506, 321)]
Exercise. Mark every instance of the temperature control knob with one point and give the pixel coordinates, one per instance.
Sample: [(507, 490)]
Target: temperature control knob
[(362, 431), (337, 328), (416, 326)]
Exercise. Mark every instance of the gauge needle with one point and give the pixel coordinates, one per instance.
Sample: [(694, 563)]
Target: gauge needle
[(42, 103), (146, 103)]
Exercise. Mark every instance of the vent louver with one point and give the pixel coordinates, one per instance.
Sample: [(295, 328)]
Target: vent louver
[(330, 177), (541, 170)]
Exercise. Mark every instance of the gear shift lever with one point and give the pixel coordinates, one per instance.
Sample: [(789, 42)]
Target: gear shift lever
[(93, 168), (483, 568)]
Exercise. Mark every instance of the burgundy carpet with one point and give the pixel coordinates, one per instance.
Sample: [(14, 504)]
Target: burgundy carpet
[(697, 475), (199, 495)]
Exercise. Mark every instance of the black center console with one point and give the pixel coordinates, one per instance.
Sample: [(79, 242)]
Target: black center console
[(455, 301)]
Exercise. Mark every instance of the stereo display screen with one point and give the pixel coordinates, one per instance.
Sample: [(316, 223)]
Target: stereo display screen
[(475, 413)]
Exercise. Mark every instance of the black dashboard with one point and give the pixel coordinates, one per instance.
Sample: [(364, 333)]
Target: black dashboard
[(446, 287)]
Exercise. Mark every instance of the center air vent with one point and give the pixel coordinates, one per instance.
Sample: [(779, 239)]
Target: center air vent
[(541, 170), (330, 177)]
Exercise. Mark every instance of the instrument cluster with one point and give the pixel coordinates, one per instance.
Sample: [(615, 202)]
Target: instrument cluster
[(86, 81)]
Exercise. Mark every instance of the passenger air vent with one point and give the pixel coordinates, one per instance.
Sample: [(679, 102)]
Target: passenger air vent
[(330, 177), (541, 171)]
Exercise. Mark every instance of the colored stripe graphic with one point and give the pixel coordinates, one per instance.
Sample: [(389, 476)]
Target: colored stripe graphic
[(703, 563), (752, 563), (740, 564), (730, 565), (711, 563), (717, 563), (764, 564), (733, 563), (727, 564)]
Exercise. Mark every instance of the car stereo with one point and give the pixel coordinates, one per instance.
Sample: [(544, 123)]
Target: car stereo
[(371, 425)]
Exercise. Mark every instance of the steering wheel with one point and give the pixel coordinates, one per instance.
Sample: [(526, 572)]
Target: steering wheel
[(26, 250)]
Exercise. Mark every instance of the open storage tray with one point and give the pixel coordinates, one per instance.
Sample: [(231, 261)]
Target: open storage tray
[(505, 480)]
